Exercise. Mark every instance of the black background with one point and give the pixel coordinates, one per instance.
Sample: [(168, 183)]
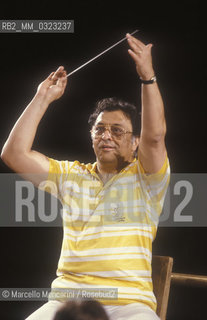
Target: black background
[(29, 256)]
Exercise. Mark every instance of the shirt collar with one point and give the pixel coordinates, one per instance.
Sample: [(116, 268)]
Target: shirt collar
[(94, 167)]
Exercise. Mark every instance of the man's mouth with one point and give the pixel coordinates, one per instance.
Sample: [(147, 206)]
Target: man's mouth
[(107, 147)]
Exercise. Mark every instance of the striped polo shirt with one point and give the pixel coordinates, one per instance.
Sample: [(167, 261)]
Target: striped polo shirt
[(108, 228)]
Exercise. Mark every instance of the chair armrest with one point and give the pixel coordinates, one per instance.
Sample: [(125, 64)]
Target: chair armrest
[(189, 279)]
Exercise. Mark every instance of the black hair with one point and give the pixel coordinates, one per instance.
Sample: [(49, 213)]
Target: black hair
[(113, 104), (81, 310)]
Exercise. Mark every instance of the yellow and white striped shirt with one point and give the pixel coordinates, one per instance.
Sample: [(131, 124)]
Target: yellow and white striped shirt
[(108, 229)]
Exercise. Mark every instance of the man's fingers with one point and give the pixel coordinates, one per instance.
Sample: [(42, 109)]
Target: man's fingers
[(138, 49), (62, 82), (50, 76), (59, 77), (141, 54), (55, 75), (135, 47), (150, 45), (58, 73), (136, 41), (133, 55)]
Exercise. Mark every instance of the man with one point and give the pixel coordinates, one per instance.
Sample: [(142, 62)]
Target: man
[(111, 207)]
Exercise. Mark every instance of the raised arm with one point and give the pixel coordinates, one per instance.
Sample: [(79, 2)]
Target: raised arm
[(152, 151), (17, 152)]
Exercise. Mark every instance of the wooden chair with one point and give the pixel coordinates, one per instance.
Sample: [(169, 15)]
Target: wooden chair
[(162, 276)]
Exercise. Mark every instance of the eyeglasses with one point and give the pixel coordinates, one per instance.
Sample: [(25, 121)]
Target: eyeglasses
[(115, 131)]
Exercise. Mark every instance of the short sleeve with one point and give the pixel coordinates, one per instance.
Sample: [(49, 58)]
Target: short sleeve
[(57, 175)]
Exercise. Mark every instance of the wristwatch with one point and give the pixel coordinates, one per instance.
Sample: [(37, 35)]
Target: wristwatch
[(152, 80)]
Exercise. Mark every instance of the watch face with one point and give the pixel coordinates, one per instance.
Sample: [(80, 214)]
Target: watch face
[(154, 79)]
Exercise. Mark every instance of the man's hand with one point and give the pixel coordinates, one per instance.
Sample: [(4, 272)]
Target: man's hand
[(142, 57), (53, 87)]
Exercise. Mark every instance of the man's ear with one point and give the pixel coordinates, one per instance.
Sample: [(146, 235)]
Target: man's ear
[(92, 143), (91, 135), (135, 142)]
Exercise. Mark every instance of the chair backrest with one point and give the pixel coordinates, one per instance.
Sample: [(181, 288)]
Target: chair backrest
[(161, 277)]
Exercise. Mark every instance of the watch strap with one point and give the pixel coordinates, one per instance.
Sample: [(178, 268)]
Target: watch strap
[(152, 80)]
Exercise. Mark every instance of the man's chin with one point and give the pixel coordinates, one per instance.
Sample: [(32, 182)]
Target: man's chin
[(107, 157)]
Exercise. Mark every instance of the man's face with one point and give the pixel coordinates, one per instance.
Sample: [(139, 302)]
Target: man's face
[(108, 148)]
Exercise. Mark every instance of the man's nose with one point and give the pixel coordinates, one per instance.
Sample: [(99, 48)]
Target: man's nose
[(107, 134)]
